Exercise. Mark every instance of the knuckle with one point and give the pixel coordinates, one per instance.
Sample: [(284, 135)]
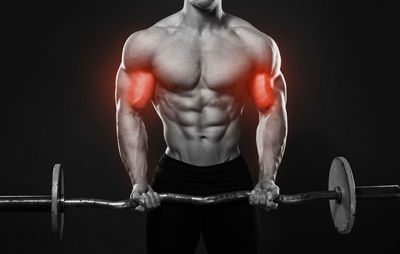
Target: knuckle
[(262, 199), (139, 209), (134, 194)]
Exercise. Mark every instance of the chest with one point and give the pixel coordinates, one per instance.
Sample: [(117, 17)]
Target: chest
[(185, 62)]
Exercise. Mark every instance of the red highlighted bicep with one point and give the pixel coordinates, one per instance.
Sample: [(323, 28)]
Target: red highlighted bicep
[(140, 89), (262, 92)]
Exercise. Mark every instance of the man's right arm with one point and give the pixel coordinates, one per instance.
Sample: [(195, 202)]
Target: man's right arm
[(135, 87)]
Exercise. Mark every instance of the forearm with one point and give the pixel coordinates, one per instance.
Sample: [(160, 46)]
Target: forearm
[(271, 140), (132, 143)]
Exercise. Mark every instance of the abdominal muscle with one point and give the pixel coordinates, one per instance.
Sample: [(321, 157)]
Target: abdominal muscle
[(201, 127)]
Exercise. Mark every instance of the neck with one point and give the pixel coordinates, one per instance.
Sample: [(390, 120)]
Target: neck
[(199, 18)]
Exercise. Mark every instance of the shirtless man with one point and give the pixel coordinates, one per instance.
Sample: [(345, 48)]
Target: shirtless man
[(197, 67)]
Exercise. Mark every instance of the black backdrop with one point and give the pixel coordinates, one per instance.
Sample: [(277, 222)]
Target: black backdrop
[(57, 83)]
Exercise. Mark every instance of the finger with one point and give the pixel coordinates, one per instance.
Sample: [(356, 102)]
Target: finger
[(272, 205), (275, 193), (136, 203), (251, 197), (155, 197), (263, 198), (158, 199), (257, 197), (272, 195), (140, 208), (147, 202), (269, 196), (134, 195), (152, 197)]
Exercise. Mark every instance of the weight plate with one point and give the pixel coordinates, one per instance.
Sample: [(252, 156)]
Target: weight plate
[(57, 197), (344, 212)]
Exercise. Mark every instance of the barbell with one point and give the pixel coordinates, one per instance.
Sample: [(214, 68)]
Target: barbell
[(342, 195)]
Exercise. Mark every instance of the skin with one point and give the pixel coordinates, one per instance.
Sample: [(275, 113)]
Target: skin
[(198, 67)]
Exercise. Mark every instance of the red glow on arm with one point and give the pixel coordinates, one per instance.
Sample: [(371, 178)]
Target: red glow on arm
[(141, 89), (262, 92)]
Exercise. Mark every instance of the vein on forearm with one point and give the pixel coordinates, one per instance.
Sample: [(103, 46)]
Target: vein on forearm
[(271, 140), (132, 142)]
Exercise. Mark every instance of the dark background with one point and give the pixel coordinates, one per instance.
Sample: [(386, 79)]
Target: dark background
[(59, 62)]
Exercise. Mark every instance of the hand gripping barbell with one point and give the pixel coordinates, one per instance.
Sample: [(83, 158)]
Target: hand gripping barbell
[(342, 194)]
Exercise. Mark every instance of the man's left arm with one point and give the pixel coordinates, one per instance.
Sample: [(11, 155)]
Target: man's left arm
[(268, 91)]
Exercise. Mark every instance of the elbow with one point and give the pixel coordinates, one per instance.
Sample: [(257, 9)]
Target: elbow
[(274, 108), (275, 118), (274, 104), (265, 109)]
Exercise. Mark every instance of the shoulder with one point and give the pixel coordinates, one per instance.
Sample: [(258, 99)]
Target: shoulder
[(261, 47), (140, 46)]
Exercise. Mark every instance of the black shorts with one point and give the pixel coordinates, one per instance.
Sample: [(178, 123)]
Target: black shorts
[(226, 228)]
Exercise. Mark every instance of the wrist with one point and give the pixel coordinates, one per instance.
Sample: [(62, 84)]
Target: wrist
[(140, 179), (139, 187), (266, 184), (140, 183), (266, 177)]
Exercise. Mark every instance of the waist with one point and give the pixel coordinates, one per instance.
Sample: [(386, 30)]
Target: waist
[(172, 175), (203, 156), (177, 166)]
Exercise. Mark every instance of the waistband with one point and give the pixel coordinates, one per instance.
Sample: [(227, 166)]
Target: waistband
[(174, 165)]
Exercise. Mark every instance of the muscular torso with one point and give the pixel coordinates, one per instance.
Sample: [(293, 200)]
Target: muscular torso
[(202, 81)]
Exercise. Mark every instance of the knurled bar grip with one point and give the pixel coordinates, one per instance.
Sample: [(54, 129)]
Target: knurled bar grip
[(201, 201), (43, 203)]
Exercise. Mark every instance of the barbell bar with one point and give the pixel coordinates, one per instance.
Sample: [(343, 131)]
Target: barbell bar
[(342, 194)]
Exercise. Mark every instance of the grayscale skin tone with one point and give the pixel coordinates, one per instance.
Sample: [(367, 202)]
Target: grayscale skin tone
[(198, 67)]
